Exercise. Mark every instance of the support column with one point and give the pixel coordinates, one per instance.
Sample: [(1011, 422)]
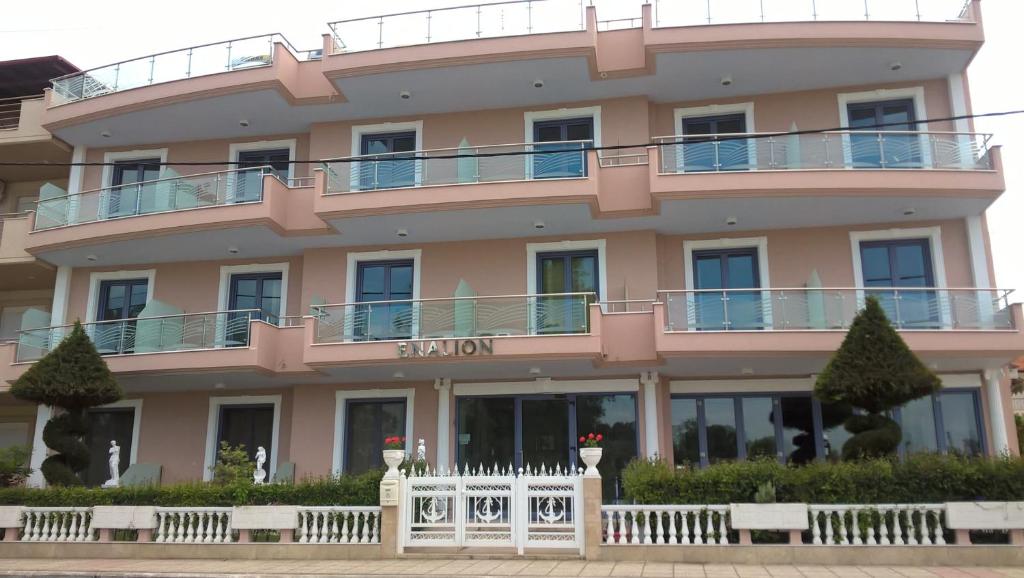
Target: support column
[(592, 524), (958, 107), (649, 379), (996, 413), (61, 290), (43, 414), (77, 172), (443, 385)]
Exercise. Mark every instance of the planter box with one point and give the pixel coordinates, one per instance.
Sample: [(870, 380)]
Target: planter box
[(123, 517), (985, 515), (264, 517), (769, 516)]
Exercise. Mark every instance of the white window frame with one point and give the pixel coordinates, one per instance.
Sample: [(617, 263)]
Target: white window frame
[(136, 405), (110, 157), (916, 93), (98, 277), (212, 424), (600, 245), (530, 117), (383, 128), (341, 398), (352, 270), (226, 271), (747, 108), (764, 278), (934, 236)]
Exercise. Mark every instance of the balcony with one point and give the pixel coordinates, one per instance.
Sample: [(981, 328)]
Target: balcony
[(23, 139), (185, 63), (505, 329), (668, 13), (246, 205), (799, 328), (453, 179)]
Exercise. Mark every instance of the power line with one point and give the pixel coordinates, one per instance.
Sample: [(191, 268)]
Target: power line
[(540, 152)]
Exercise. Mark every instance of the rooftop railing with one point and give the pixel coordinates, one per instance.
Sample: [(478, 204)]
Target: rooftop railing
[(833, 309), (191, 62), (515, 18), (454, 317), (161, 333), (460, 165), (166, 195), (668, 13), (824, 150), (10, 111)]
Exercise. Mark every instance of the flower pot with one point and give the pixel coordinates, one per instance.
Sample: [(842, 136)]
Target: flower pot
[(392, 458), (591, 456)]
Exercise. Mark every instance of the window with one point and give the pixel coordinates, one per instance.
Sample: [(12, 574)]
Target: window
[(252, 296), (569, 138), (387, 289), (906, 264), (712, 429), (120, 302), (106, 425), (881, 148), (614, 416), (125, 196), (566, 272), (486, 431), (249, 184), (704, 149), (249, 425), (727, 269), (948, 422), (367, 423), (385, 169)]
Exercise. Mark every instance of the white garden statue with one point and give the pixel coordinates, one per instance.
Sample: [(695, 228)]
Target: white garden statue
[(114, 464), (421, 451), (259, 476)]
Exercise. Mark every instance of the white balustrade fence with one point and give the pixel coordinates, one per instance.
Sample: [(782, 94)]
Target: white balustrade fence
[(57, 525), (338, 525), (684, 525), (531, 508), (193, 525), (883, 524)]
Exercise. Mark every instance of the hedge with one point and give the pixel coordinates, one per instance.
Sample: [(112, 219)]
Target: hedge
[(361, 490), (924, 478)]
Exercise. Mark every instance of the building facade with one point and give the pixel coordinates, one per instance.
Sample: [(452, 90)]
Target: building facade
[(310, 251)]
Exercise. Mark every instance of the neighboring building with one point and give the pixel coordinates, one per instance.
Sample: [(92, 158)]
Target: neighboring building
[(26, 283), (498, 300)]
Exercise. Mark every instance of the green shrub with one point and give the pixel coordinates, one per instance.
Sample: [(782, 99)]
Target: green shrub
[(1019, 420), (346, 490), (875, 371), (233, 465), (918, 479), (14, 468)]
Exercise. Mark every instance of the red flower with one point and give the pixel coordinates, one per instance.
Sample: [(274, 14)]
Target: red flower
[(582, 439), (600, 437), (590, 436)]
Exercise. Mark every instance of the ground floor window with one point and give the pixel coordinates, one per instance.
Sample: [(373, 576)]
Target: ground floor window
[(794, 428), (367, 423), (543, 431), (106, 425), (249, 425)]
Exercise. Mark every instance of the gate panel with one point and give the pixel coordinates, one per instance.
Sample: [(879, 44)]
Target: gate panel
[(553, 514), (431, 510), (488, 512)]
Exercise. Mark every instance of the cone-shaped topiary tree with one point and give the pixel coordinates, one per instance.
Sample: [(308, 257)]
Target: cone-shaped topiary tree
[(875, 371), (74, 378)]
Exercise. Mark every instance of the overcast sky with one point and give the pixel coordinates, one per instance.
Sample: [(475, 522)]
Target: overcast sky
[(91, 34)]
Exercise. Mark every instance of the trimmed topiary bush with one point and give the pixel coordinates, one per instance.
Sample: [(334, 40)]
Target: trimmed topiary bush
[(72, 377), (875, 371)]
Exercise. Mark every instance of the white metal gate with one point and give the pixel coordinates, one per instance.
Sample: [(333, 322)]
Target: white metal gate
[(494, 508)]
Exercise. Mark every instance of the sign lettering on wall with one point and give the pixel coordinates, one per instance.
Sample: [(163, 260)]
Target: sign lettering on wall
[(445, 348)]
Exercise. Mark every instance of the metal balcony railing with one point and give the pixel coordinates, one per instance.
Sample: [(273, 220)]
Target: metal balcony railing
[(454, 317), (459, 165), (669, 13), (805, 309), (515, 18), (191, 62), (166, 195), (868, 150), (10, 111), (162, 333)]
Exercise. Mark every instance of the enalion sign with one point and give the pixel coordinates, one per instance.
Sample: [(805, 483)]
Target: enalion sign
[(445, 348)]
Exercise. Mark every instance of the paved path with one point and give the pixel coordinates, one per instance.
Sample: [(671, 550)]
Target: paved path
[(437, 567)]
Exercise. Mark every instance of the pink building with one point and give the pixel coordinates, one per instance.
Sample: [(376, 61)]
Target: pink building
[(531, 224)]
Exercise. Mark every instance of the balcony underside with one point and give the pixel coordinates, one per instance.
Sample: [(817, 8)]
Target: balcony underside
[(148, 114)]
